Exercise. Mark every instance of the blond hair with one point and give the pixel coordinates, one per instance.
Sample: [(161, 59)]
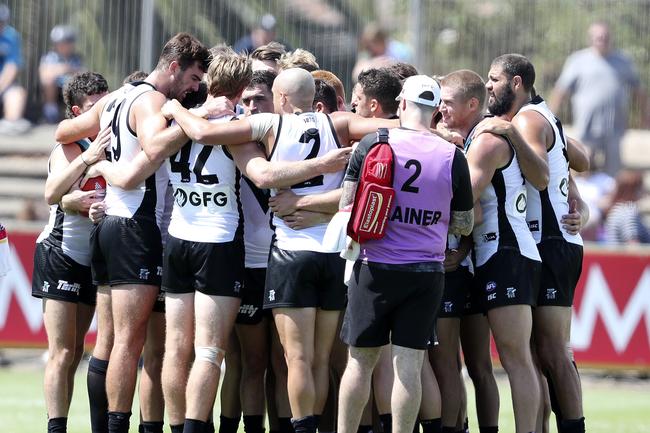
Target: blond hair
[(298, 58), (229, 73)]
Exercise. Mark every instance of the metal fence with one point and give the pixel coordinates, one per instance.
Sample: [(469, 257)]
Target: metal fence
[(119, 36)]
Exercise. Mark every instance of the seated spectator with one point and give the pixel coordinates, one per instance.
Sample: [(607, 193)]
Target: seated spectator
[(262, 34), (12, 95), (56, 67), (623, 223), (378, 50)]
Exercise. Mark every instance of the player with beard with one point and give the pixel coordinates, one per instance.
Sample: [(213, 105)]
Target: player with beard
[(461, 317), (507, 260), (133, 214), (533, 127)]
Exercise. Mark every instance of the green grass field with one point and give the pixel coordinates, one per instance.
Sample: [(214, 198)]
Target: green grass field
[(611, 406)]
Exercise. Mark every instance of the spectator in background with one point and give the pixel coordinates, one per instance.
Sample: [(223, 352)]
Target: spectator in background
[(59, 64), (623, 222), (12, 95), (379, 50), (599, 79), (262, 34)]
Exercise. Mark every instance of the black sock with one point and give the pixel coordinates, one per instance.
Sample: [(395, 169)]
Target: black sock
[(57, 425), (151, 427), (194, 426), (363, 429), (96, 384), (176, 428), (306, 424), (386, 421), (494, 429), (118, 422), (254, 423), (572, 426), (431, 425), (284, 425), (228, 425)]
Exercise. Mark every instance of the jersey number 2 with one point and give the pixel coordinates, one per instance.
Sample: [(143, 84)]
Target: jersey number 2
[(310, 136)]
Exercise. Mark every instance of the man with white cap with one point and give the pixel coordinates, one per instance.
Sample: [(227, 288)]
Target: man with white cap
[(397, 281)]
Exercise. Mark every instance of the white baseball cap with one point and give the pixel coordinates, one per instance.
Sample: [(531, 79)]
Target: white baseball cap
[(421, 89)]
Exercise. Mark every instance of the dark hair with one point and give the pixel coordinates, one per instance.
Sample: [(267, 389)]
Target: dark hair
[(516, 64), (80, 86), (194, 99), (326, 95), (403, 70), (186, 50), (383, 85), (270, 51), (135, 76), (264, 78)]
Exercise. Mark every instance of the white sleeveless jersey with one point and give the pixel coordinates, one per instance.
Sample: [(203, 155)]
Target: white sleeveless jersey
[(504, 216), (299, 137), (146, 200), (545, 208), (257, 227), (69, 232), (206, 192)]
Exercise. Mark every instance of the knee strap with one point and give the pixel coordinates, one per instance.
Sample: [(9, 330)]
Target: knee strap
[(209, 354)]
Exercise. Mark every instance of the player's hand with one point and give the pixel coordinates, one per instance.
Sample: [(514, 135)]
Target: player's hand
[(301, 219), (494, 125), (96, 150), (217, 107), (285, 202), (169, 108), (452, 260), (451, 136), (97, 211), (573, 221), (335, 160), (78, 201)]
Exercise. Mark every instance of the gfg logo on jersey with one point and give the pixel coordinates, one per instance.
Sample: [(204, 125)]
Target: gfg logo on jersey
[(205, 198)]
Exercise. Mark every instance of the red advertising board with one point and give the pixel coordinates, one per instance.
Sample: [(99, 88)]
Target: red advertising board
[(611, 320)]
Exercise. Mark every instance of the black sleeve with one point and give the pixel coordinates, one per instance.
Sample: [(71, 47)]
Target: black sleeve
[(461, 183), (358, 155)]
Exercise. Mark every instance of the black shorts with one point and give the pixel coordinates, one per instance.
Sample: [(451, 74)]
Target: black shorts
[(454, 296), (561, 269), (474, 299), (215, 269), (126, 251), (508, 278), (250, 310), (391, 305), (301, 279), (57, 276)]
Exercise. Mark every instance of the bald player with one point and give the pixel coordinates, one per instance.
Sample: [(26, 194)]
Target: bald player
[(304, 282)]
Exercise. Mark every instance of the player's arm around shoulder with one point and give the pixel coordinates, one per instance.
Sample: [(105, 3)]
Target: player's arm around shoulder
[(148, 123), (82, 126), (209, 133), (578, 155), (462, 202), (487, 153), (532, 136), (351, 127)]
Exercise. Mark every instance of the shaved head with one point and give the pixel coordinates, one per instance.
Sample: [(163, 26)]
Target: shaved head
[(297, 85)]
